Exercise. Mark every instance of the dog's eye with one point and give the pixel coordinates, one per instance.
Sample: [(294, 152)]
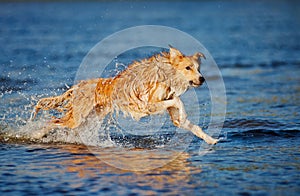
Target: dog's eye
[(188, 68)]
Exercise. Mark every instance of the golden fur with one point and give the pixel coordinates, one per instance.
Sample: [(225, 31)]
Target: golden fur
[(147, 87)]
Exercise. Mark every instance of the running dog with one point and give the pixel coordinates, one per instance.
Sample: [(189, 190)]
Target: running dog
[(150, 86)]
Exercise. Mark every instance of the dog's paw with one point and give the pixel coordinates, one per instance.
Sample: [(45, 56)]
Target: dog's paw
[(210, 140)]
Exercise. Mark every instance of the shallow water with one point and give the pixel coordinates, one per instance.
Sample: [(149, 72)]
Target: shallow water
[(256, 47)]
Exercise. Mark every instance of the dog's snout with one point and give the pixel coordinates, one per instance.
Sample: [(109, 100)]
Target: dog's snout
[(201, 79)]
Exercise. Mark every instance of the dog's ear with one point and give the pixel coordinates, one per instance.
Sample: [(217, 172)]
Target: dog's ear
[(197, 55), (174, 53)]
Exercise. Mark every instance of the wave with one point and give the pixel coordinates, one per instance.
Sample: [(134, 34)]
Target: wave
[(243, 123), (262, 133), (244, 129), (271, 64)]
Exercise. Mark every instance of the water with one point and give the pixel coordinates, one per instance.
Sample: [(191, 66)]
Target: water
[(256, 46)]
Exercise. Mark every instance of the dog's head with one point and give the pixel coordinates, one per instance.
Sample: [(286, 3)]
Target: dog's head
[(189, 66)]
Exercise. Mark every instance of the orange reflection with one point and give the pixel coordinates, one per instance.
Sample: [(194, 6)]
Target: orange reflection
[(86, 165)]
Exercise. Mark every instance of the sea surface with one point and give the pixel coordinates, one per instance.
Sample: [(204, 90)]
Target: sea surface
[(256, 47)]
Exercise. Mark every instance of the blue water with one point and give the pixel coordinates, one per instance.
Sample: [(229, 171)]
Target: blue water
[(256, 46)]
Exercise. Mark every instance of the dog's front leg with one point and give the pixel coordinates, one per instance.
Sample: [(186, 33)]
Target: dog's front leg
[(198, 132), (171, 104), (186, 124), (177, 112)]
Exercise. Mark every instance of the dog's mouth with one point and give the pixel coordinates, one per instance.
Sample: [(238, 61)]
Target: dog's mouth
[(198, 82), (194, 84)]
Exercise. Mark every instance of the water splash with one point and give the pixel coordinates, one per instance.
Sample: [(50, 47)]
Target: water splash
[(16, 127)]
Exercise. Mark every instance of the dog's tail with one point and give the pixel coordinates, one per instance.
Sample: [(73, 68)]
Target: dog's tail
[(62, 104), (74, 105)]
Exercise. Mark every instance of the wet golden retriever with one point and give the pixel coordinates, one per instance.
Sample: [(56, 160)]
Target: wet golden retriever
[(147, 87)]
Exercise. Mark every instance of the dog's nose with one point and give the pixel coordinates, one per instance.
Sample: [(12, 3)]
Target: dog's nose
[(201, 79)]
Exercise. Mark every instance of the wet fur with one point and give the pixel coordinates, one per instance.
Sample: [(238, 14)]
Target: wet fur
[(147, 87)]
